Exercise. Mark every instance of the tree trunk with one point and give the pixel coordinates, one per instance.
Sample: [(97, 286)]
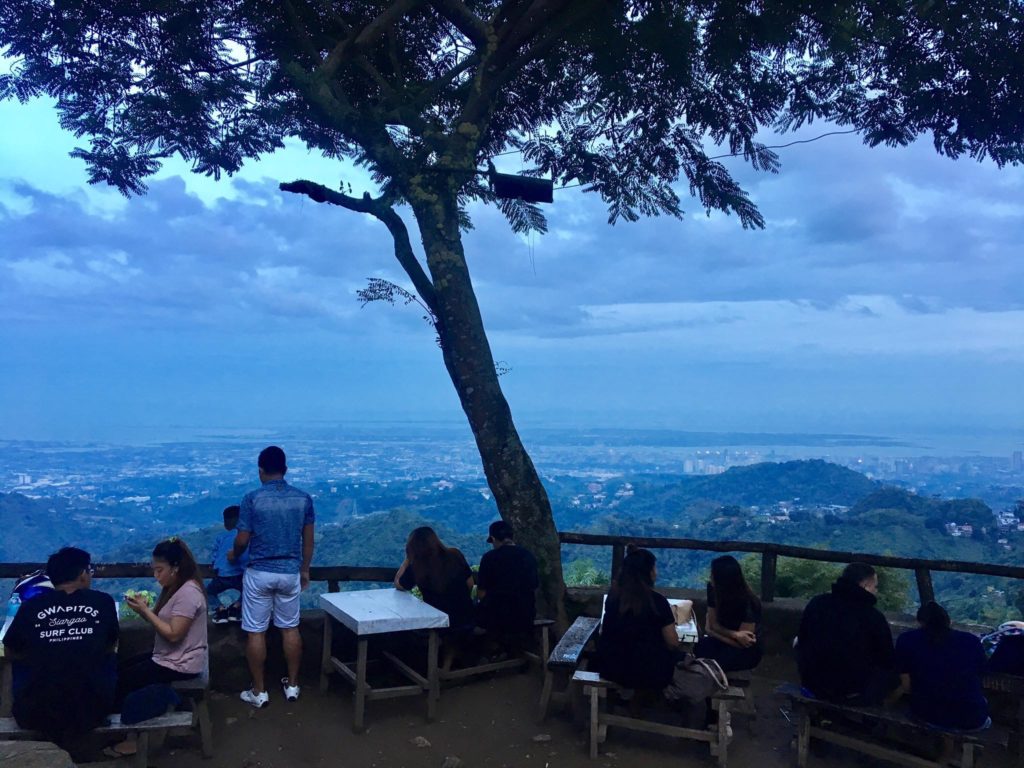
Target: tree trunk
[(518, 491)]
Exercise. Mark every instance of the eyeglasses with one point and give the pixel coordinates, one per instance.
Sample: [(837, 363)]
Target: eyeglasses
[(90, 569)]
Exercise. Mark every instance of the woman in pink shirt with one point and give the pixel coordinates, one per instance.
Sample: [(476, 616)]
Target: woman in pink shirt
[(179, 618)]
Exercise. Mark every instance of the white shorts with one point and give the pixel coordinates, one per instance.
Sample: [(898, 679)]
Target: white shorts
[(264, 593)]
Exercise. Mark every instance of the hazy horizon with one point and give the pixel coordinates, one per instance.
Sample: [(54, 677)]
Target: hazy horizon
[(880, 299)]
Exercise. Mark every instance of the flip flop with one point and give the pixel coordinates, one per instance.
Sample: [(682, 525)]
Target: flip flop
[(115, 754)]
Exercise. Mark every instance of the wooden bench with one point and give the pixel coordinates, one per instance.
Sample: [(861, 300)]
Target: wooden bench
[(743, 678), (157, 726), (811, 710), (1010, 687), (566, 658), (518, 661), (596, 688), (197, 691)]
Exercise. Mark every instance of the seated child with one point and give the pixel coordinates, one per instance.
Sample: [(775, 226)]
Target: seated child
[(228, 574)]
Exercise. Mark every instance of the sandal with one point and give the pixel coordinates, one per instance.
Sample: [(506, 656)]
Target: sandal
[(115, 754)]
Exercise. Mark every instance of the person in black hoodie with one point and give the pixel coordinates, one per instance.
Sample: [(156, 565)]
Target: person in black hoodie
[(844, 648)]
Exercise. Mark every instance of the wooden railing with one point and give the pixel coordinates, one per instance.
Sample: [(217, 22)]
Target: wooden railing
[(771, 552), (332, 574)]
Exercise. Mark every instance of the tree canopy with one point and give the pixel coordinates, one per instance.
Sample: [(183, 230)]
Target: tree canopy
[(629, 99), (623, 97)]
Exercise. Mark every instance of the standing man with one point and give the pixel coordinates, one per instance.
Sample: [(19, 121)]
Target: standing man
[(276, 523), (506, 583)]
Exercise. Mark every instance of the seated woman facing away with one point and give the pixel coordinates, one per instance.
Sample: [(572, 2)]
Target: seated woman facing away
[(445, 579), (638, 646), (941, 669), (734, 613), (179, 618)]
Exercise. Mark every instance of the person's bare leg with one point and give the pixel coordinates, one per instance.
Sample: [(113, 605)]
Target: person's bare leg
[(256, 655), (291, 641)]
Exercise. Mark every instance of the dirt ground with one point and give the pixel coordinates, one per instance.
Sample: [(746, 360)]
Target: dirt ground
[(486, 723)]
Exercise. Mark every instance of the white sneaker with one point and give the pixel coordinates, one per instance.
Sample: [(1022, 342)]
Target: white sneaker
[(291, 692), (258, 700)]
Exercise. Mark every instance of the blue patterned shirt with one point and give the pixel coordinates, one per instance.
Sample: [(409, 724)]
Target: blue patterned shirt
[(275, 515)]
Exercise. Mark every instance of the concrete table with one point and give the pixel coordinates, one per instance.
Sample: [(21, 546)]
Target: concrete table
[(377, 612)]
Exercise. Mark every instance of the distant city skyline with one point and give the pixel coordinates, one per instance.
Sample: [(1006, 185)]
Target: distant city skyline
[(883, 298)]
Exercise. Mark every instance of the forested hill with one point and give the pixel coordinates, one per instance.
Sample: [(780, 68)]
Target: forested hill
[(811, 482)]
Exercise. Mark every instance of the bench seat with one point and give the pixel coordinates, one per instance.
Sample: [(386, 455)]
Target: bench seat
[(566, 657), (197, 690), (9, 729), (596, 688), (809, 707), (518, 661)]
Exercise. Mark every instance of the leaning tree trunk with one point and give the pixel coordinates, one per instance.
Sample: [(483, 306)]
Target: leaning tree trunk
[(518, 491)]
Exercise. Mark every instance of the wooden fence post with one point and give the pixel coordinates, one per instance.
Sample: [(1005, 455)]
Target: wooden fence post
[(925, 590), (333, 585), (769, 562), (618, 553)]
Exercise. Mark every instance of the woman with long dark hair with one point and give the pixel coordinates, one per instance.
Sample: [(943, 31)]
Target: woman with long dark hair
[(180, 649), (734, 613), (941, 668), (638, 646), (441, 573)]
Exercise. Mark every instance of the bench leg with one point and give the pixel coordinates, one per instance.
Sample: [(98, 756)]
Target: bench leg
[(803, 738), (202, 715), (594, 720), (723, 733), (545, 644), (325, 652), (967, 760), (545, 694), (141, 758)]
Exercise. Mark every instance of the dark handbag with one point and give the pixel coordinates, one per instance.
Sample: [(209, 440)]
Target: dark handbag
[(696, 679)]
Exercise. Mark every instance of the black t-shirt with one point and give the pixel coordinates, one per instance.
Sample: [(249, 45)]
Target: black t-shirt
[(508, 575), (632, 649), (65, 667), (453, 597), (734, 614), (945, 678)]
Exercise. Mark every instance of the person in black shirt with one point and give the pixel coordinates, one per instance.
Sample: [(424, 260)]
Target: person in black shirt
[(844, 647), (638, 646), (443, 576), (734, 613), (505, 584), (63, 643), (941, 668)]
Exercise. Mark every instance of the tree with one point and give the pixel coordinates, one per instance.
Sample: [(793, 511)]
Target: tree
[(624, 97)]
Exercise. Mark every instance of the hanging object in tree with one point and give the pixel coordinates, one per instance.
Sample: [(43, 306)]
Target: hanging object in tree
[(527, 188)]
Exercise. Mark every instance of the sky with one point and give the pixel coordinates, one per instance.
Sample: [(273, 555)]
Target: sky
[(883, 297)]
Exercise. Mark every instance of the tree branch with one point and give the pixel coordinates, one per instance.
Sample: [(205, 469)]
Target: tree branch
[(368, 35), (510, 39), (467, 22), (381, 210)]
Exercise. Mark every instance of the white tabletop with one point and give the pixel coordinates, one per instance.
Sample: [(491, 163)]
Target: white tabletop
[(374, 611)]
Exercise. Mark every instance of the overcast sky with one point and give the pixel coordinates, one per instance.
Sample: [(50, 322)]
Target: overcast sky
[(884, 296)]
